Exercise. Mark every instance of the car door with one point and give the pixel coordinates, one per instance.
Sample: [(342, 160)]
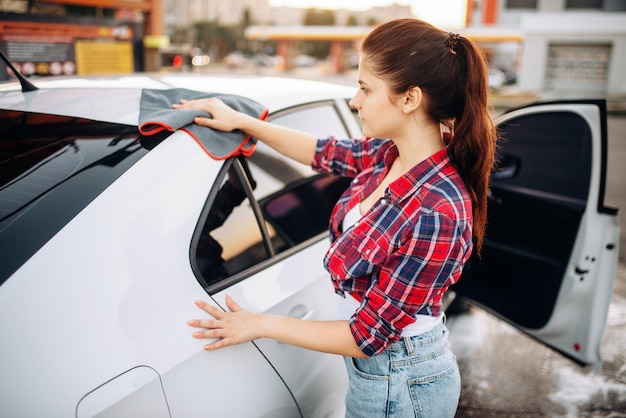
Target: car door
[(267, 252), (551, 247)]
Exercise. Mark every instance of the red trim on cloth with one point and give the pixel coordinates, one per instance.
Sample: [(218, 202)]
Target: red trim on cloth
[(157, 127), (240, 150), (246, 148)]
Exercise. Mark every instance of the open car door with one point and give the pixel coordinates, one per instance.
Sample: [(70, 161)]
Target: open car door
[(551, 246)]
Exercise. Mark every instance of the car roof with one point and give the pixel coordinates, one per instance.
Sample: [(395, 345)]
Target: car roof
[(116, 98)]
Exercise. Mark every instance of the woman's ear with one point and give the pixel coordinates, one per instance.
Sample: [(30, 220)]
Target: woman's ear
[(412, 99)]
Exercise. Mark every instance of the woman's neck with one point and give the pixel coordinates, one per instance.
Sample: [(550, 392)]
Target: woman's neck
[(418, 145)]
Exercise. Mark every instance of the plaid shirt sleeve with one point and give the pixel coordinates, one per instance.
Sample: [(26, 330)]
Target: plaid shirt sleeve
[(345, 157)]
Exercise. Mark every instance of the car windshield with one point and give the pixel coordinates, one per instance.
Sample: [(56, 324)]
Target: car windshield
[(51, 167)]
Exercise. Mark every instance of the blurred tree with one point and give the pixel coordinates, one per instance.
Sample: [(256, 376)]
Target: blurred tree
[(210, 35), (242, 43), (318, 17), (180, 35), (246, 19)]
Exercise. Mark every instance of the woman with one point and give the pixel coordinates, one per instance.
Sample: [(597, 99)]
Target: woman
[(401, 234)]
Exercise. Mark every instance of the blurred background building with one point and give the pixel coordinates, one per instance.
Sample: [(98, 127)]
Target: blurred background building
[(571, 48), (549, 48)]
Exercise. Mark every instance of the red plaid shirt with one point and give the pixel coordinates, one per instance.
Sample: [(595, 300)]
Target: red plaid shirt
[(404, 253)]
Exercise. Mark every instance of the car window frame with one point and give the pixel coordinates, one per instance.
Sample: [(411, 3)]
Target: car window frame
[(273, 256)]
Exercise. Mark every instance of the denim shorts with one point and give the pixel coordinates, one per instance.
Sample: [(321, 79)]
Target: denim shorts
[(414, 377)]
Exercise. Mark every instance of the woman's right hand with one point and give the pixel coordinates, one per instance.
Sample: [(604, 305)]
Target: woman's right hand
[(223, 117), (294, 144)]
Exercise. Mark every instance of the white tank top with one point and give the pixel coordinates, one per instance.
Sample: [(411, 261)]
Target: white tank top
[(348, 304)]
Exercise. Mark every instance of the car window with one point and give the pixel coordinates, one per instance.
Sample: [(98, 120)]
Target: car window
[(547, 153), (285, 204), (51, 167), (302, 210), (230, 240), (319, 119)]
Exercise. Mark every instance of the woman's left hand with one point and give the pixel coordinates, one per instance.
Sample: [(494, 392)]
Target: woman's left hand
[(234, 327)]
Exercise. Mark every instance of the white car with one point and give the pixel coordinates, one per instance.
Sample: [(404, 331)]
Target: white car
[(104, 246)]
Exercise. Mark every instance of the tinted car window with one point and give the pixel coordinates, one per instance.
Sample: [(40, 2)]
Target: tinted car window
[(51, 167), (292, 201), (302, 210), (231, 239)]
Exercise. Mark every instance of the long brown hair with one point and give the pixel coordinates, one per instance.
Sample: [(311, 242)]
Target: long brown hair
[(452, 72)]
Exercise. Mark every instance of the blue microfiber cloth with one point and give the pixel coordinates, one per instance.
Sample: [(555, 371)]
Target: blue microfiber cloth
[(156, 114)]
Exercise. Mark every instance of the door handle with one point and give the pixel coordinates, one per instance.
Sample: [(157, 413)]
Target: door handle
[(301, 312), (579, 270)]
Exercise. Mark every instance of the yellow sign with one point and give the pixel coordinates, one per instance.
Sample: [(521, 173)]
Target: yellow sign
[(156, 41), (65, 29), (104, 57)]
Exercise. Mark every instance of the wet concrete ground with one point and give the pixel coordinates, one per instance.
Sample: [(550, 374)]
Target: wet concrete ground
[(507, 374)]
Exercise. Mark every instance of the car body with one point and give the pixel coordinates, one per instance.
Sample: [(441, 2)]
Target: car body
[(103, 243)]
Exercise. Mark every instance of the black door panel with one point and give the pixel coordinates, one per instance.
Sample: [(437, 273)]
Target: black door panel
[(551, 153), (539, 193), (525, 254)]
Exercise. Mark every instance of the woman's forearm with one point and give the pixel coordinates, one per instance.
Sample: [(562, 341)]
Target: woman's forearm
[(294, 144), (326, 336), (239, 325)]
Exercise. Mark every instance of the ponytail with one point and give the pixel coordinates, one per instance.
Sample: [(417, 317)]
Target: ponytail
[(473, 146)]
